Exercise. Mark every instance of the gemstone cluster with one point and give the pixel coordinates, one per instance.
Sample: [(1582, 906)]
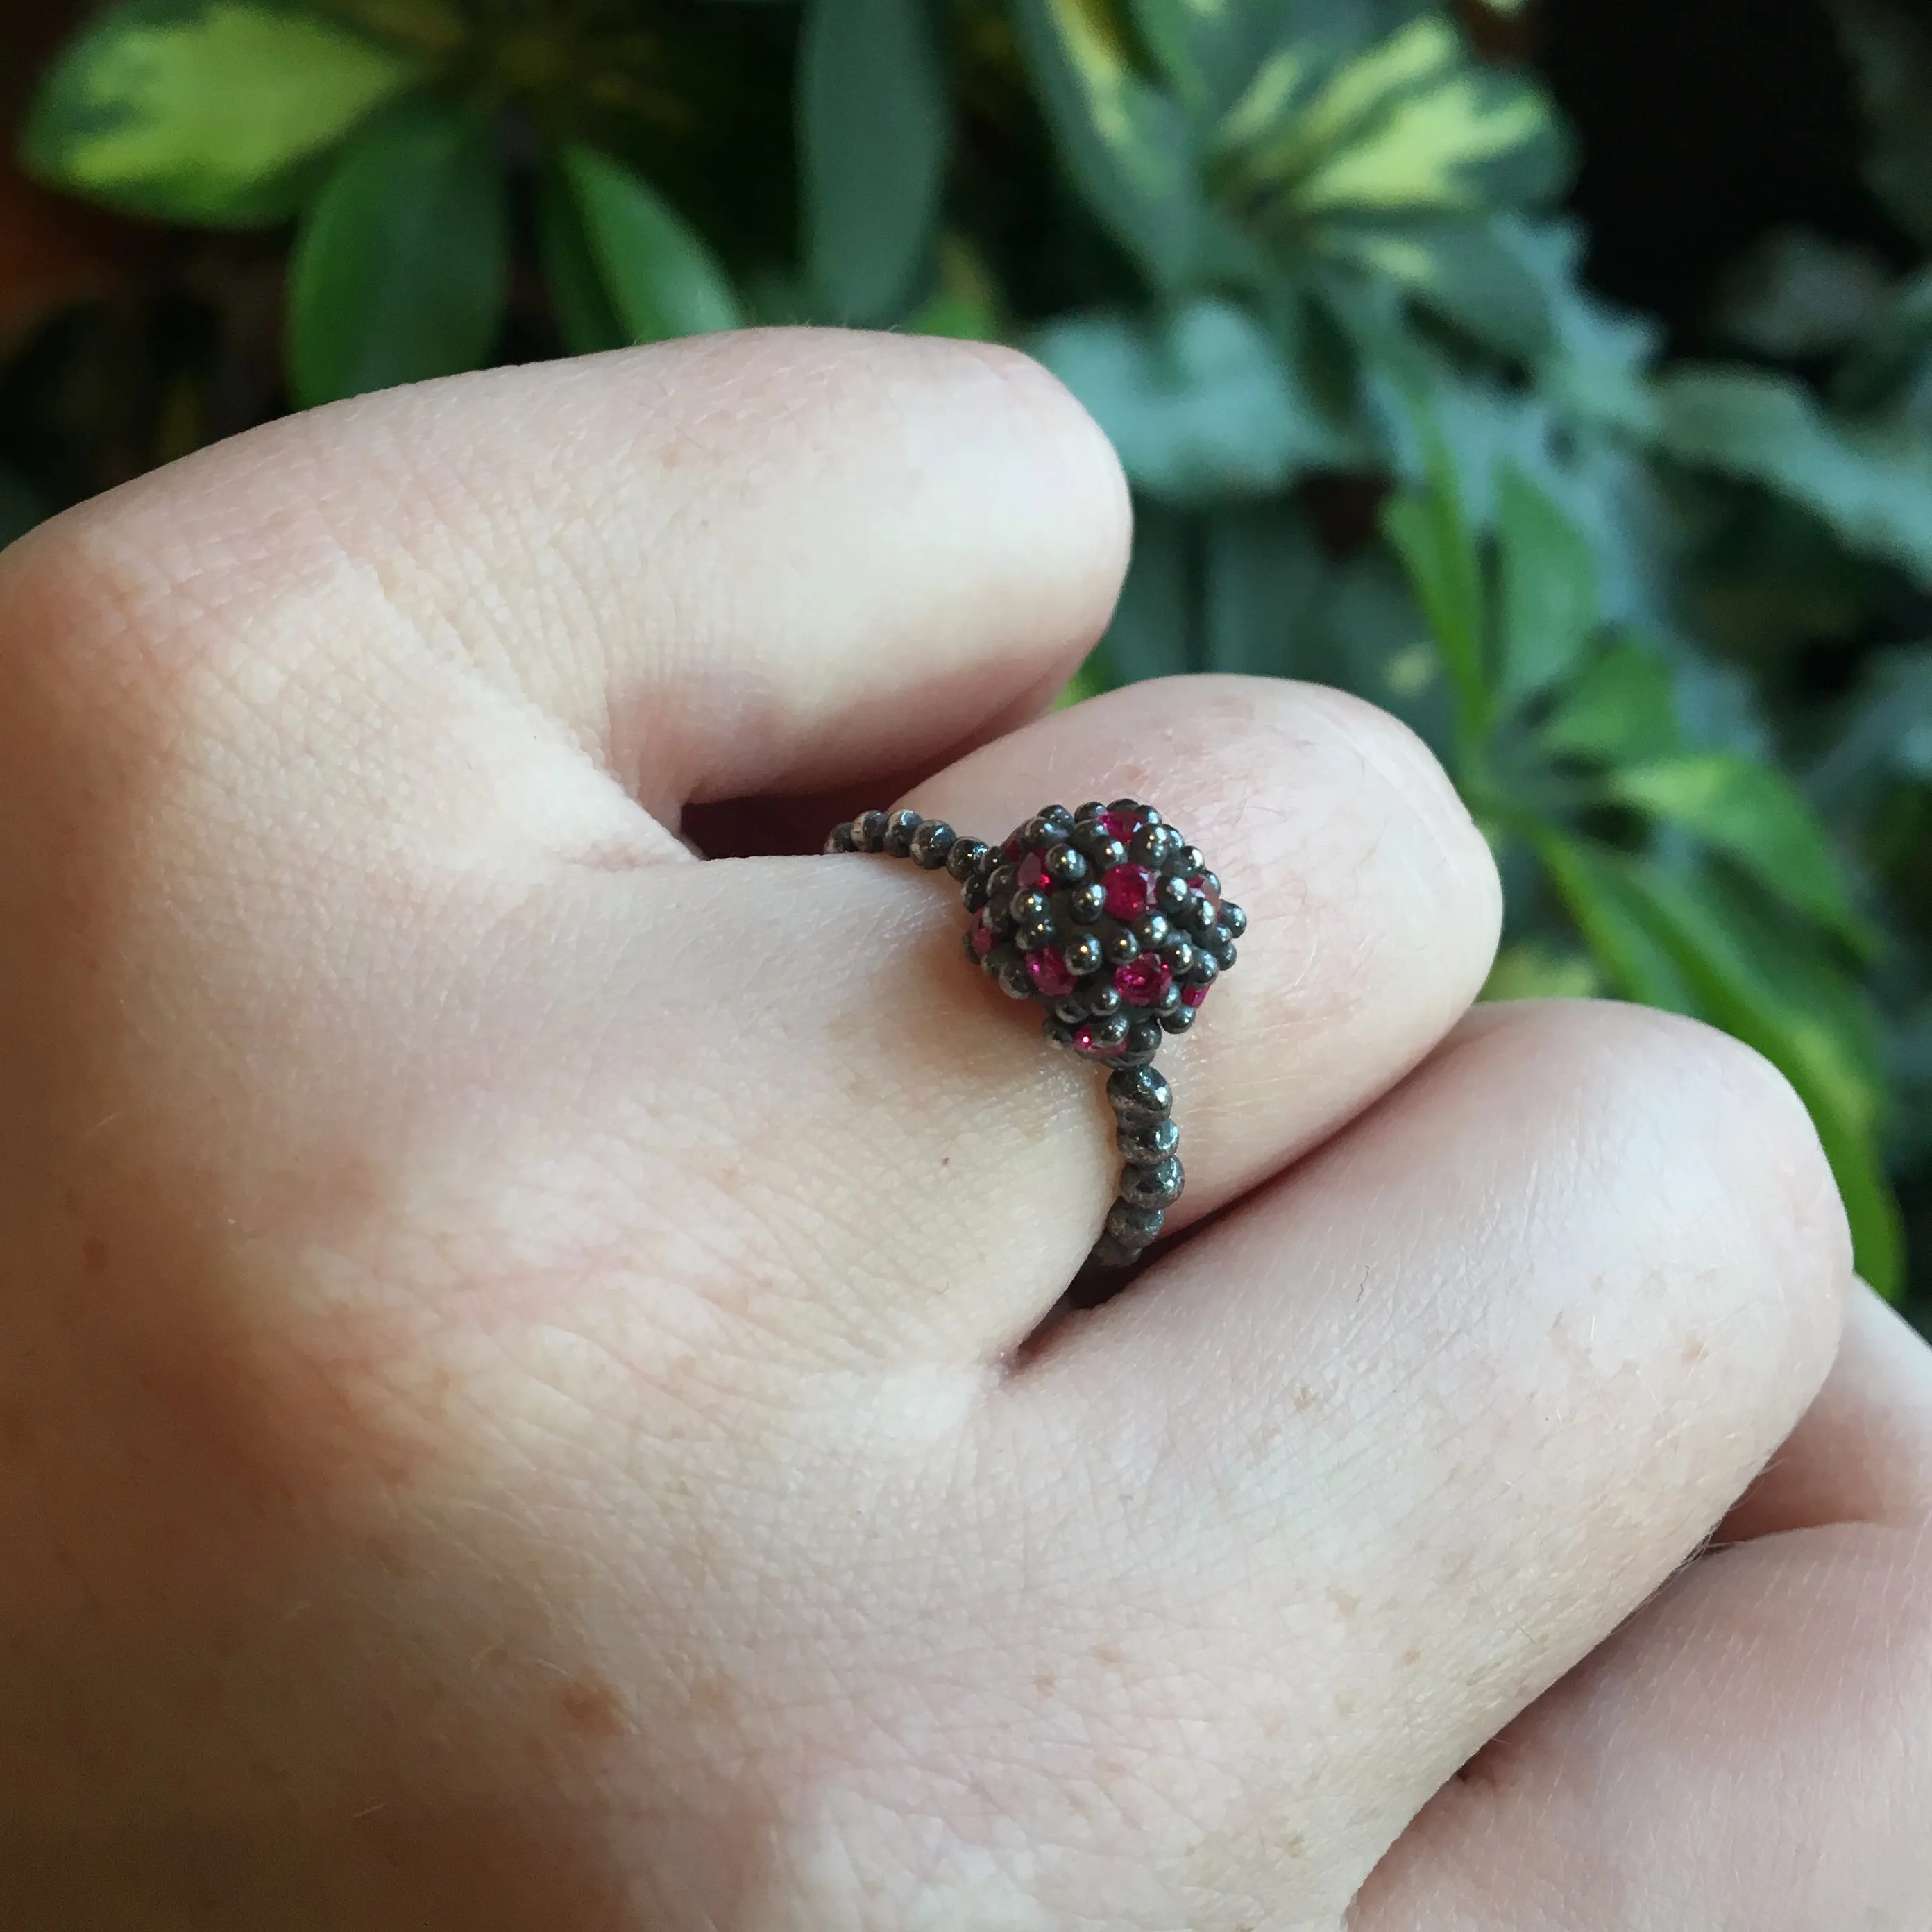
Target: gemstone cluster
[(1107, 916)]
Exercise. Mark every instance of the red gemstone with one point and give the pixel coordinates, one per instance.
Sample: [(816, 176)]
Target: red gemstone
[(1084, 1042), (1193, 996), (1200, 885), (1032, 874), (1049, 974), (1120, 825), (1129, 892), (982, 938), (1145, 981)]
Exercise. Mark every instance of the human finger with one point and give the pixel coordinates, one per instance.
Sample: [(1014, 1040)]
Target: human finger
[(1750, 1748), (1424, 1421)]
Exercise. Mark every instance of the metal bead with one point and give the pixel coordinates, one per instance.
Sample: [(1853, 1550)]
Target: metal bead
[(1112, 1255), (932, 844), (1121, 947), (1179, 953), (1146, 847), (1088, 902), (1140, 1096), (1037, 937), (1209, 882), (1143, 1037), (1014, 981), (1057, 821), (1172, 895), (1228, 956), (963, 858), (1001, 881), (1159, 1186), (899, 830), (999, 915), (1206, 970), (1002, 957), (1129, 806), (1234, 919), (1104, 999), (1179, 1021), (1141, 1147), (1092, 808), (1170, 1000), (1152, 931), (973, 894), (1069, 1012), (1064, 866), (1030, 907), (1134, 1225), (1103, 850), (1189, 862), (1111, 1030), (839, 839), (1199, 916), (1083, 955), (868, 831)]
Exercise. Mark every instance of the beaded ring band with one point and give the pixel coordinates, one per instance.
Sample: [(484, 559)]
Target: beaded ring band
[(1111, 920)]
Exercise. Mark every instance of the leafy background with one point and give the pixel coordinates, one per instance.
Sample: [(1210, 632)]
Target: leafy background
[(1558, 376)]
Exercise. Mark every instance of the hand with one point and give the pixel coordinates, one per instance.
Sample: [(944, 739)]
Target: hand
[(512, 1406)]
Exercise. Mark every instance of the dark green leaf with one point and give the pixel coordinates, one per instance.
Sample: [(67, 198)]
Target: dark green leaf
[(1874, 489), (1548, 589), (1265, 589), (1740, 984), (20, 508), (211, 111), (661, 278), (1211, 49), (586, 318), (873, 133), (1152, 634), (400, 269), (1592, 882), (1465, 272), (1200, 406), (1620, 708), (1431, 533), (1752, 815), (1126, 144)]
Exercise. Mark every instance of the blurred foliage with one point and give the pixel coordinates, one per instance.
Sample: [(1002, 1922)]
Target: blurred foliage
[(1658, 588)]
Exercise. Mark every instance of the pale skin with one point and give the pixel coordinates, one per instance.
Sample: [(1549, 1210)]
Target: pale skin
[(513, 1405)]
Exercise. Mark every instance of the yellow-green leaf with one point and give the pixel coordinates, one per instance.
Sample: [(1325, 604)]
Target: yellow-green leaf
[(208, 111), (1752, 815)]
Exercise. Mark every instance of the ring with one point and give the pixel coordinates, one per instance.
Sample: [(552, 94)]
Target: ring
[(1111, 920)]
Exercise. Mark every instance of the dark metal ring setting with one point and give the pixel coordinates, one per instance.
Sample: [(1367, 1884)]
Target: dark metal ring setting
[(1111, 920)]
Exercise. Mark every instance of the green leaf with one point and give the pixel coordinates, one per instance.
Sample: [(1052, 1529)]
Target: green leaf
[(586, 318), (874, 129), (1874, 489), (1467, 272), (1620, 707), (1411, 126), (401, 267), (1200, 406), (1549, 588), (966, 304), (20, 508), (217, 112), (1592, 881), (1126, 144), (661, 279), (1743, 983), (1752, 815), (1211, 49), (1534, 971), (1431, 533), (1152, 633)]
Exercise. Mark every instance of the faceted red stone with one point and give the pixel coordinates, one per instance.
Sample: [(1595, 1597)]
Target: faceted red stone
[(1085, 1041), (1193, 996), (982, 938), (1049, 973), (1032, 874), (1129, 892), (1200, 885), (1120, 825), (1143, 982)]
